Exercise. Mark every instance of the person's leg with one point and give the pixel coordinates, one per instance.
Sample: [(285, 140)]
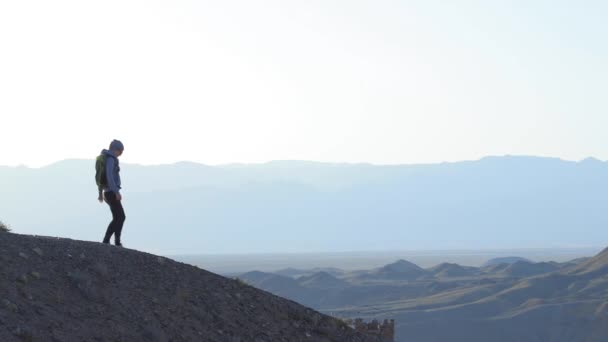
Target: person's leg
[(109, 198), (118, 218)]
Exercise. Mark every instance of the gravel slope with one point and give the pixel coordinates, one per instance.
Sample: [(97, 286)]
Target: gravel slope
[(54, 289)]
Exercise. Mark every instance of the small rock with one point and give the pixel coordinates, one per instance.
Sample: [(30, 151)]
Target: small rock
[(82, 256), (23, 255), (35, 274), (38, 251), (160, 260), (10, 305), (22, 279), (24, 333)]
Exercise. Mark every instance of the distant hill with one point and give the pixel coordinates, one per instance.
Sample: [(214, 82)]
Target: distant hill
[(295, 273), (574, 262), (595, 266), (282, 286), (504, 260), (277, 284), (67, 290), (322, 280), (527, 269), (400, 266), (448, 270), (399, 270), (291, 272), (292, 206)]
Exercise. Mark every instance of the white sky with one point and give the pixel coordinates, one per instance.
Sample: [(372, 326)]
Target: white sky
[(343, 81)]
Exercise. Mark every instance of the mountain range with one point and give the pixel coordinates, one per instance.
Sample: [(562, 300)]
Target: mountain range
[(293, 206), (516, 300)]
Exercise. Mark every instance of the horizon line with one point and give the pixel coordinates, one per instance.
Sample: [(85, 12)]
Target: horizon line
[(346, 163)]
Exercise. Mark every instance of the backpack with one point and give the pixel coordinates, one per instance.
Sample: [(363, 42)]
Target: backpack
[(100, 172)]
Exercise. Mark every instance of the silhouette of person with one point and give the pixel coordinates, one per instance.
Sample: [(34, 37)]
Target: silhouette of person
[(111, 191)]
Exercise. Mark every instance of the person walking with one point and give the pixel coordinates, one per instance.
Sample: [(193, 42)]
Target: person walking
[(108, 185)]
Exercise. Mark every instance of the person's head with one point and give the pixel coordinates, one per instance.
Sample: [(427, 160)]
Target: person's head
[(116, 147)]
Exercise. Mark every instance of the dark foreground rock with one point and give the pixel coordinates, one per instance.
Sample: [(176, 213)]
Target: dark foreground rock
[(66, 290)]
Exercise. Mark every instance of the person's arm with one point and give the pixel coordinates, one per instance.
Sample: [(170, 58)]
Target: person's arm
[(112, 186)]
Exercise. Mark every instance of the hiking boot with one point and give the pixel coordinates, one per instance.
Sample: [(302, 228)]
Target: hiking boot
[(118, 244)]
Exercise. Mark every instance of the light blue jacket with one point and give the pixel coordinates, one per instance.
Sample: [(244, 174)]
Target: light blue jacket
[(112, 172)]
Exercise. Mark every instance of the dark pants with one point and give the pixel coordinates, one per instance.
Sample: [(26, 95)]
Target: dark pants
[(118, 218)]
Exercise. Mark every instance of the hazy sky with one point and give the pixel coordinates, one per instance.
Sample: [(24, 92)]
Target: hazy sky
[(345, 81)]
